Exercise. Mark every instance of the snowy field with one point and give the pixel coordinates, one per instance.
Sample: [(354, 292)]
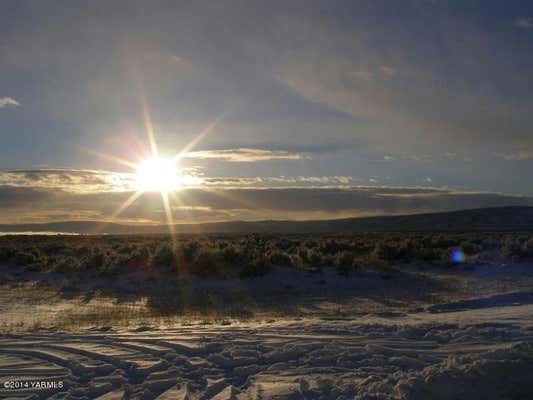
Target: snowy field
[(484, 354), (478, 344)]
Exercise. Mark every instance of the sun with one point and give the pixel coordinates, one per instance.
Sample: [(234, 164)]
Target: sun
[(158, 174)]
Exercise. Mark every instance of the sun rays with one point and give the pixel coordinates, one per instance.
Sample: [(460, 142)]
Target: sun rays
[(124, 206), (156, 173)]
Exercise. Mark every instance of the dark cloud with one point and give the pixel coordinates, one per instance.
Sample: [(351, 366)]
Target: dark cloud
[(39, 205), (356, 200), (14, 197)]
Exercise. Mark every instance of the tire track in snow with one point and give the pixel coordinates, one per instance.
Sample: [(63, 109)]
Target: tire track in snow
[(308, 359)]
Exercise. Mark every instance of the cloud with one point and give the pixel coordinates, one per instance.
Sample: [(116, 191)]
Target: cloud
[(370, 74), (361, 74), (525, 22), (427, 101), (70, 180), (360, 82), (244, 155), (8, 101), (389, 71), (26, 204), (281, 181), (520, 155), (408, 157), (97, 181), (13, 196)]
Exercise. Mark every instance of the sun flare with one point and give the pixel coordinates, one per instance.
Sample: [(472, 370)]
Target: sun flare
[(158, 174)]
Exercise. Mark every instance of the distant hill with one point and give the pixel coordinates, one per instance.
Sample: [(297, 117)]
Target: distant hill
[(483, 219)]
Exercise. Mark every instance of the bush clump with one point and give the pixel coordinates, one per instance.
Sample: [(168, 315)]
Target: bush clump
[(6, 253), (257, 268), (248, 256), (26, 259), (207, 265), (165, 259), (527, 248), (280, 258)]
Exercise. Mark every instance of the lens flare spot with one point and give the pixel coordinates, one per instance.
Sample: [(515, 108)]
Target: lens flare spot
[(457, 256)]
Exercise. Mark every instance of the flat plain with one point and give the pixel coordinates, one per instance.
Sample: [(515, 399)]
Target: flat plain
[(369, 316)]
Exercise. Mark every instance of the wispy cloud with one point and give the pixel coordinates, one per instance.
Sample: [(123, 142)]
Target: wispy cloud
[(281, 181), (97, 181), (8, 101), (407, 157), (70, 180), (389, 71), (244, 155), (520, 155), (370, 74), (525, 22)]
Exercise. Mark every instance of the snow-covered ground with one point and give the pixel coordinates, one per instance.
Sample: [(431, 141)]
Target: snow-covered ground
[(375, 358), (476, 345)]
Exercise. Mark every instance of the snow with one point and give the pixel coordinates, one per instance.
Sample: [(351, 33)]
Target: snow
[(414, 358), (475, 346)]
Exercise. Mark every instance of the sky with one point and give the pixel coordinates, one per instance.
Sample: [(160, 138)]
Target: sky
[(279, 110)]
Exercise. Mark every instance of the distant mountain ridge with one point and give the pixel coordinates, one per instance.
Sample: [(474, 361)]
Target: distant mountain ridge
[(515, 218)]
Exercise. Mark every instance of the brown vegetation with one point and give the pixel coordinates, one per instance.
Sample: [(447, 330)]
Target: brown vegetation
[(249, 256)]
